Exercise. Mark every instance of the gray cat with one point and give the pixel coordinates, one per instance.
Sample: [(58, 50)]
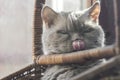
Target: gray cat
[(68, 32)]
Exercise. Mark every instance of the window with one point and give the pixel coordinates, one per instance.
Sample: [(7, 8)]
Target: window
[(67, 5)]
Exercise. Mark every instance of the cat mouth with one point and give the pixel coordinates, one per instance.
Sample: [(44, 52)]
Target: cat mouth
[(78, 45)]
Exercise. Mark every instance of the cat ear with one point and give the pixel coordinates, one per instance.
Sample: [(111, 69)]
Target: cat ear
[(48, 15), (94, 11)]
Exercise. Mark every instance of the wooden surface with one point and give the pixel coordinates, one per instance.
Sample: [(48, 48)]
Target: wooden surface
[(37, 31), (77, 57), (37, 28)]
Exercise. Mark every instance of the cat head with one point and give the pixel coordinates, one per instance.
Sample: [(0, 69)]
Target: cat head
[(71, 31)]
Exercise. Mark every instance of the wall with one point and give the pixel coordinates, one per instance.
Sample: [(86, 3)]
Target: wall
[(16, 21)]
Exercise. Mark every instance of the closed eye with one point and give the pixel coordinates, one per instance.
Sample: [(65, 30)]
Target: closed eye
[(62, 32), (88, 30)]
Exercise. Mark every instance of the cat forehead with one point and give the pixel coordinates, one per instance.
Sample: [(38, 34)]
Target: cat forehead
[(73, 20), (67, 21), (76, 14), (72, 15), (79, 18)]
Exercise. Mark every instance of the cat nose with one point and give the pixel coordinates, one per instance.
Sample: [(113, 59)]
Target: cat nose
[(76, 37)]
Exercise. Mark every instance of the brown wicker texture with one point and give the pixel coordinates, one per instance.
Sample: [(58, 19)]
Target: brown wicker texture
[(77, 57)]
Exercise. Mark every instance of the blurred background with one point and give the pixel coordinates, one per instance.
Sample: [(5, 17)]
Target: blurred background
[(67, 5), (16, 22)]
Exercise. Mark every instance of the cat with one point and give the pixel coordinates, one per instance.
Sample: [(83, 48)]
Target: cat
[(67, 32)]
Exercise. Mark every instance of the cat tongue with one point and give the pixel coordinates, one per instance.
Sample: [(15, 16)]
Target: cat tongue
[(78, 45)]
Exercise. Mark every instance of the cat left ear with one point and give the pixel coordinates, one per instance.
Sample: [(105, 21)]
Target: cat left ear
[(48, 15), (94, 11)]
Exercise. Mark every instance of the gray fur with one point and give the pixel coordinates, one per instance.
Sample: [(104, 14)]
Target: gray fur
[(60, 30)]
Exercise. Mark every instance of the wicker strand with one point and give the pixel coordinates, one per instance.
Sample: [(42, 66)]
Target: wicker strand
[(77, 57)]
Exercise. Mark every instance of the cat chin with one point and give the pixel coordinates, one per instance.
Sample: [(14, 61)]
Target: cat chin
[(51, 52), (46, 52), (61, 52), (55, 52)]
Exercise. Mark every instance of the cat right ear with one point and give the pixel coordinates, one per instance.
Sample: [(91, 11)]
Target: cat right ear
[(48, 15), (94, 11)]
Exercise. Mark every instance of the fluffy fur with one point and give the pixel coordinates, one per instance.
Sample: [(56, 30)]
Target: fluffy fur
[(60, 30)]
